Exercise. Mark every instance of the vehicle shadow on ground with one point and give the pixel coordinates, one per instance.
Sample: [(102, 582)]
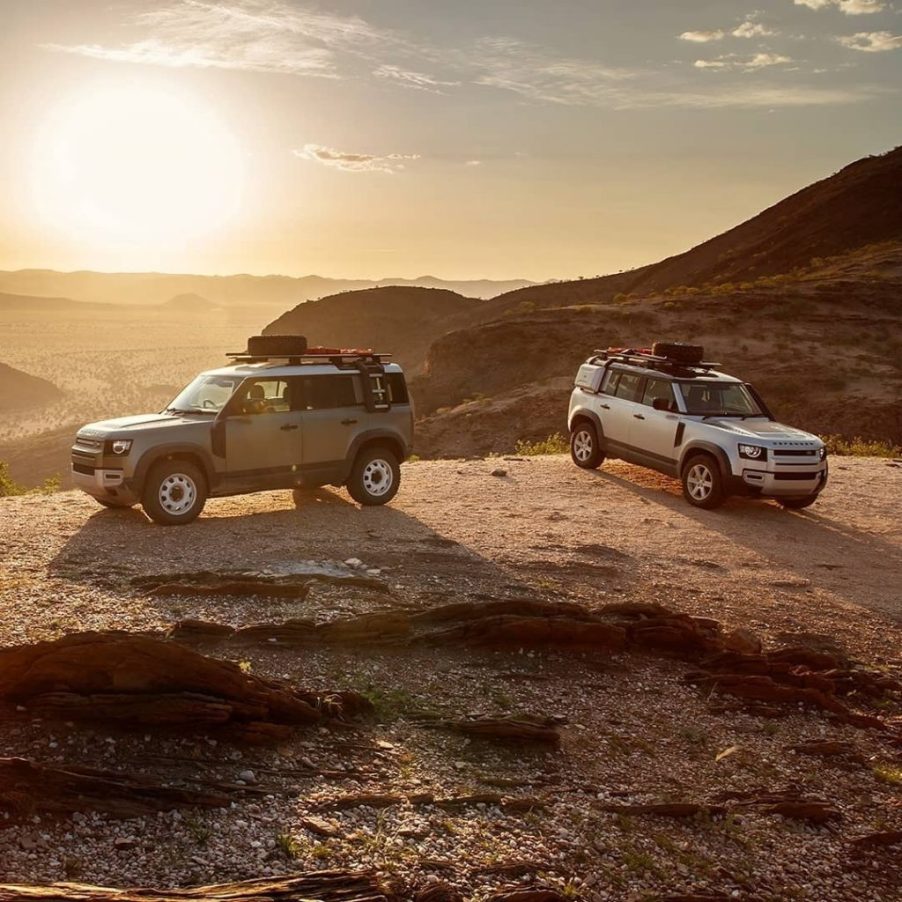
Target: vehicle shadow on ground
[(116, 548), (859, 567)]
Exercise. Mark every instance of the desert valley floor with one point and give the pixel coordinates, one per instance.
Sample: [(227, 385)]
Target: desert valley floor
[(425, 807)]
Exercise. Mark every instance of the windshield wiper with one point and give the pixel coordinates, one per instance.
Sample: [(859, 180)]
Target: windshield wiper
[(175, 410)]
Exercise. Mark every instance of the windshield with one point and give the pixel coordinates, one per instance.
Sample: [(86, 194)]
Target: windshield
[(710, 399), (206, 394)]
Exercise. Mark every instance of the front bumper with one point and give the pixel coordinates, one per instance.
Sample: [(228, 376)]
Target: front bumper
[(785, 482), (103, 483)]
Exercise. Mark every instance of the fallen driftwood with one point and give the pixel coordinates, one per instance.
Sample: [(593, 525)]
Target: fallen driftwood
[(136, 680), (317, 886), (27, 788), (515, 728), (789, 803), (881, 840)]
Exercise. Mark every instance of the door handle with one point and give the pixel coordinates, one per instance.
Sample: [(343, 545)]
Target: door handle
[(288, 427), (605, 406), (638, 416), (348, 422)]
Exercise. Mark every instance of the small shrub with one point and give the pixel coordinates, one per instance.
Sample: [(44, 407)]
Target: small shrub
[(554, 444), (860, 447)]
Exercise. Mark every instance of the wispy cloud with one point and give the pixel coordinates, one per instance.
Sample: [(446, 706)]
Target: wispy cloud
[(473, 163), (732, 62), (849, 7), (355, 162), (257, 35), (752, 29), (872, 41), (702, 37), (410, 79)]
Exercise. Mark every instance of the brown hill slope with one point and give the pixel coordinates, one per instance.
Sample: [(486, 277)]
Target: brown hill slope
[(20, 390), (822, 345), (403, 321)]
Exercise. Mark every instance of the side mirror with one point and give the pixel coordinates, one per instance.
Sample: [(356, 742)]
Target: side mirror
[(663, 404)]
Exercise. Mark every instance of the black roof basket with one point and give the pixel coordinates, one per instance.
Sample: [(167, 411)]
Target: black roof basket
[(651, 361)]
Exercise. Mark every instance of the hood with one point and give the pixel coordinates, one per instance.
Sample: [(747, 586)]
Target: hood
[(764, 429), (136, 423)]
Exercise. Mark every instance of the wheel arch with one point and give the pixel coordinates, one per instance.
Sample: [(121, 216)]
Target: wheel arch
[(584, 413), (715, 451), (181, 451), (368, 439)]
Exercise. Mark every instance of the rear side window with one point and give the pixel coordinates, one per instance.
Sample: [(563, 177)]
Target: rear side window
[(397, 388), (629, 387), (609, 383), (326, 392)]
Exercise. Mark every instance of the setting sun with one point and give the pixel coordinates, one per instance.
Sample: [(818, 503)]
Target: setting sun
[(133, 164)]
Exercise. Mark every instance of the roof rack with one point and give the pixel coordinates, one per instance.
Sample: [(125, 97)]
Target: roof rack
[(346, 358), (644, 358)]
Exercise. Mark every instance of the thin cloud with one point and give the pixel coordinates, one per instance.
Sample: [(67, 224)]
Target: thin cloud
[(752, 29), (473, 163), (702, 37), (731, 62), (355, 162), (256, 35), (410, 79), (872, 41), (849, 7)]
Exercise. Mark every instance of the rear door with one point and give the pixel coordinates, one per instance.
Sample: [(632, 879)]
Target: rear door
[(331, 413), (263, 435), (619, 401)]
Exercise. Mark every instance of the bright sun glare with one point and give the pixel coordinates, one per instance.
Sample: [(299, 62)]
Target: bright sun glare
[(128, 165)]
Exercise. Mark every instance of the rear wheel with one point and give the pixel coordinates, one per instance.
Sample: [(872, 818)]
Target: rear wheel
[(702, 482), (795, 504), (375, 477), (174, 493), (585, 450)]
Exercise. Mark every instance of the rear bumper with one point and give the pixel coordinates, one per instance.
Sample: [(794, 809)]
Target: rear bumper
[(102, 483)]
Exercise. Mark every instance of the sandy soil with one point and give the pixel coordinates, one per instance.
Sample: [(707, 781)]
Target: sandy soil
[(635, 731)]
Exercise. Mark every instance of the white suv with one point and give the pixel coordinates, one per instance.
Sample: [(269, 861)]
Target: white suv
[(668, 410)]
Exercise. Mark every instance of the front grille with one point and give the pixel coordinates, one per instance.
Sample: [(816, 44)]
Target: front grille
[(788, 452), (81, 468), (790, 477), (89, 444)]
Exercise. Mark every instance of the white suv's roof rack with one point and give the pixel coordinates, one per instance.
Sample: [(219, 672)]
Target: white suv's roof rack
[(651, 361)]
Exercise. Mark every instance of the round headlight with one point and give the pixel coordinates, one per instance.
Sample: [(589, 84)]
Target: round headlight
[(121, 446), (753, 452)]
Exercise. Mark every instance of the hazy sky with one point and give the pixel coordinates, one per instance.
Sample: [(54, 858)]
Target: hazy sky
[(462, 138)]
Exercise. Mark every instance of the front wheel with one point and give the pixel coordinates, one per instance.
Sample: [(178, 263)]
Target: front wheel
[(585, 450), (175, 492), (702, 482), (796, 504), (375, 477)]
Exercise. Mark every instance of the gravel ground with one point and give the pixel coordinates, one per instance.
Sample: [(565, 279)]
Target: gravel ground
[(634, 732)]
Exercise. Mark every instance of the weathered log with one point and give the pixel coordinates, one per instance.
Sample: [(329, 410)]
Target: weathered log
[(27, 787), (137, 680), (531, 632), (880, 840), (316, 886)]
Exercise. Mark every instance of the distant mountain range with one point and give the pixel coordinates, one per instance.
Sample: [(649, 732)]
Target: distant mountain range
[(237, 290)]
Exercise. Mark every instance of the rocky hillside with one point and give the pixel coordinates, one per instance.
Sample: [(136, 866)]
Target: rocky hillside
[(21, 391), (402, 321)]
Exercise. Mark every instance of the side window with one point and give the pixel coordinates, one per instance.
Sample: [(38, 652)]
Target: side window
[(629, 387), (261, 396), (326, 392), (609, 383), (397, 389), (658, 389)]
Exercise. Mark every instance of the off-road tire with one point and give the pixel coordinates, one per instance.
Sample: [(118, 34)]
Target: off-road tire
[(585, 449), (175, 492), (703, 484), (796, 504), (681, 353), (375, 476), (115, 505), (276, 345)]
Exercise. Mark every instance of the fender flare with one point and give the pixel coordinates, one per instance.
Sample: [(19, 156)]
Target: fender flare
[(393, 439), (590, 415), (162, 452), (715, 451)]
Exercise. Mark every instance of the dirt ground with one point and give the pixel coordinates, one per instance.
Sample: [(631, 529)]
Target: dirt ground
[(633, 729)]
